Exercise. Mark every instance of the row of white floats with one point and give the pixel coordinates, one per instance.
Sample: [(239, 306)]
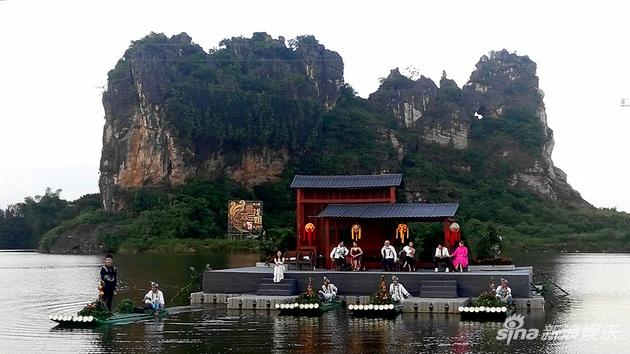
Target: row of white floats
[(295, 305), (370, 307), (71, 318), (481, 309)]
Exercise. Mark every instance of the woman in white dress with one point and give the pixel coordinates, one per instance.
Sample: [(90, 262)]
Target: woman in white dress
[(278, 268)]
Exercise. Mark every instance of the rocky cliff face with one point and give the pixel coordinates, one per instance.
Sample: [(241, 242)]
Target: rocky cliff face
[(435, 114), (145, 141), (246, 109), (505, 83), (503, 88)]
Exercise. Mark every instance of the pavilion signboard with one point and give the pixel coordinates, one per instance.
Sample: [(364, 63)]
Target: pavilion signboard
[(244, 217)]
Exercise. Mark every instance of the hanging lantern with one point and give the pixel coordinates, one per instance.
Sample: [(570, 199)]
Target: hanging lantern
[(402, 231), (356, 232), (309, 228), (454, 234)]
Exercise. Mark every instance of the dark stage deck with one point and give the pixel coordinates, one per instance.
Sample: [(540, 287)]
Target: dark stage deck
[(469, 284)]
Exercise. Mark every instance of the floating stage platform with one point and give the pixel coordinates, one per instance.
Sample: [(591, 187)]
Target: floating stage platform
[(251, 287)]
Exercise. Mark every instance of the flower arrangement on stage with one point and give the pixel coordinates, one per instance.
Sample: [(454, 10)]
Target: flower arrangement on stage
[(382, 296), (309, 296), (488, 298)]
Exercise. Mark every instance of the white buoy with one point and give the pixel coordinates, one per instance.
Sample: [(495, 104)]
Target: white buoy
[(476, 309), (503, 309), (361, 307), (85, 318), (79, 318), (482, 309), (371, 307), (350, 307), (316, 306), (487, 310), (381, 307), (460, 309), (493, 309), (90, 318), (391, 306)]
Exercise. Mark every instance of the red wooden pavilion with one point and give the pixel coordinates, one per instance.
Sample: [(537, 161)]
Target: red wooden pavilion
[(335, 208)]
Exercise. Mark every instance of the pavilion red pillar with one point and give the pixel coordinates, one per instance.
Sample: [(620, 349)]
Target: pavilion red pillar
[(327, 247), (299, 229), (447, 234)]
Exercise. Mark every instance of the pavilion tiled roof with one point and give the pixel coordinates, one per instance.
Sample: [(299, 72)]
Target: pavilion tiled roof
[(347, 181), (390, 211)]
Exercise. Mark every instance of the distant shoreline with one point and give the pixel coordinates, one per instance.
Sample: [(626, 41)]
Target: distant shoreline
[(19, 250)]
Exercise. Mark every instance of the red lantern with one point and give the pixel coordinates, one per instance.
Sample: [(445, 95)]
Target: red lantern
[(309, 228)]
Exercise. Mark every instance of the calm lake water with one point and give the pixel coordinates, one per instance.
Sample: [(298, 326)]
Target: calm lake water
[(595, 318)]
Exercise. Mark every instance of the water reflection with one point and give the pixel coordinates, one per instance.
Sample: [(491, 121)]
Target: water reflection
[(598, 288)]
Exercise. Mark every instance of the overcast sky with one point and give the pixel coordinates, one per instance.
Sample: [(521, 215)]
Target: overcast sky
[(55, 55)]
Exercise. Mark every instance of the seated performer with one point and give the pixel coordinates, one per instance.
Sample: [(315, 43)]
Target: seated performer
[(328, 292), (460, 257), (397, 290), (338, 255), (441, 257), (389, 256), (356, 253), (154, 299), (278, 268), (504, 293), (410, 258)]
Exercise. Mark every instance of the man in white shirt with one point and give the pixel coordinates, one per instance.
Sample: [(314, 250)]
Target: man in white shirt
[(338, 255), (397, 290), (389, 256), (154, 299), (328, 292), (504, 293), (441, 257)]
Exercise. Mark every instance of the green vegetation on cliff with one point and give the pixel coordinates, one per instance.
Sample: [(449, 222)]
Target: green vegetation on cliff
[(258, 93)]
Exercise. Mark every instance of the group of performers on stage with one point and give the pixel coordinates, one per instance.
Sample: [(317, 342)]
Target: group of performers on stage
[(350, 259)]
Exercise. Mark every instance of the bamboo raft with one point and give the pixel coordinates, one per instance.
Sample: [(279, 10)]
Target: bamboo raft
[(91, 321), (376, 311), (295, 309), (481, 313)]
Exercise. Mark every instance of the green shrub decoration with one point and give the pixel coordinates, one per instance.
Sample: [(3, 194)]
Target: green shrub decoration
[(126, 306), (97, 310)]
